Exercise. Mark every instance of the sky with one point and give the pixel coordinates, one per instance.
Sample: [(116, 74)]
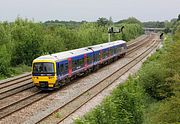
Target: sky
[(89, 10)]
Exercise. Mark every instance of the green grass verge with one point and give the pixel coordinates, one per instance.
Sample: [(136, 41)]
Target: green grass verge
[(14, 71)]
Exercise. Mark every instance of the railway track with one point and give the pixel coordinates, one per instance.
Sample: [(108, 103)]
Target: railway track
[(17, 105), (68, 108), (132, 44), (14, 106), (7, 82), (14, 86), (133, 48), (22, 83), (15, 90)]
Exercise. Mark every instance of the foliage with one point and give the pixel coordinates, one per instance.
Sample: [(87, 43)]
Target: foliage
[(154, 79), (24, 40), (5, 56), (123, 106), (164, 112), (130, 31), (4, 61), (27, 38), (69, 24), (130, 20), (104, 22)]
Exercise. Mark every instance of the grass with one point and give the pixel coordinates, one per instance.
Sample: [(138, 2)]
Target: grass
[(58, 115), (14, 71)]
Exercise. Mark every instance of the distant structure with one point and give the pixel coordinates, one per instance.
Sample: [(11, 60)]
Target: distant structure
[(147, 30)]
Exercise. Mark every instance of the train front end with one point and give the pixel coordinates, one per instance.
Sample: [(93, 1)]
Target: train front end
[(44, 74)]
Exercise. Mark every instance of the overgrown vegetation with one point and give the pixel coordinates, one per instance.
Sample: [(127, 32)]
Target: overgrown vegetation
[(124, 106), (150, 97), (24, 40)]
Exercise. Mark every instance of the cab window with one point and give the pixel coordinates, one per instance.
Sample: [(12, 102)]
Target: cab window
[(43, 68)]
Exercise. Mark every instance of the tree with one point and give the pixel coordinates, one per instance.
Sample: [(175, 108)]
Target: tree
[(28, 37), (110, 21), (5, 56), (130, 20), (102, 21), (4, 61), (167, 27)]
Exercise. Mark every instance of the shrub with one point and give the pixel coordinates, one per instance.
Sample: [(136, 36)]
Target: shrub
[(123, 106), (154, 79), (4, 61), (164, 112)]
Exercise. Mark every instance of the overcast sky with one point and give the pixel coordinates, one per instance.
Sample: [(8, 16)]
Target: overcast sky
[(90, 10)]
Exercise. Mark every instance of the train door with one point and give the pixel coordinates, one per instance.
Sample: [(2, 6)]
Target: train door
[(109, 52), (69, 67), (85, 61), (101, 56)]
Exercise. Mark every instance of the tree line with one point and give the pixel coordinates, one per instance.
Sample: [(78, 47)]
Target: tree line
[(23, 40)]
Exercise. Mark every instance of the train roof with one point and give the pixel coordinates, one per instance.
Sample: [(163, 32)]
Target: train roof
[(64, 55), (106, 45), (76, 52)]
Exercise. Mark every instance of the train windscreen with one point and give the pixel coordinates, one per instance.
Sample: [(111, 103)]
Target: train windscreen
[(43, 68)]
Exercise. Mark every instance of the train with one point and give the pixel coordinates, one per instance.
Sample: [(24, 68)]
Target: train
[(54, 70)]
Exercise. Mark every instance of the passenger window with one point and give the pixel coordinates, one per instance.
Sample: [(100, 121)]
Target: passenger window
[(74, 64), (65, 67), (105, 54), (97, 57), (111, 51), (81, 62), (115, 50), (88, 59), (62, 68)]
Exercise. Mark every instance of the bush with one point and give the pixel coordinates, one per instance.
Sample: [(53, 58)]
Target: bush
[(154, 79), (123, 106), (164, 112), (4, 61)]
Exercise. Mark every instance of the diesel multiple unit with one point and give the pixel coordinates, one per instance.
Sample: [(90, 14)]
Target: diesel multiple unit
[(54, 70)]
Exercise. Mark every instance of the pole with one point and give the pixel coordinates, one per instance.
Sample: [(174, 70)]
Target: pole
[(109, 37)]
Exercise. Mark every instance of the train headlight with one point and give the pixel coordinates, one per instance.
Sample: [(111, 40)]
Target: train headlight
[(35, 77), (51, 77)]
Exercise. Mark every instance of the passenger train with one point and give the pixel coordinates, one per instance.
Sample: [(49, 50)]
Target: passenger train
[(54, 70)]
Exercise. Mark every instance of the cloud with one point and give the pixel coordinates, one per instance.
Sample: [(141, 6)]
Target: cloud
[(89, 10)]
